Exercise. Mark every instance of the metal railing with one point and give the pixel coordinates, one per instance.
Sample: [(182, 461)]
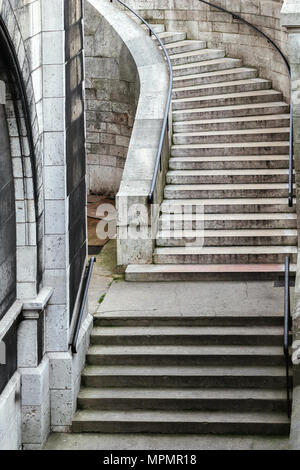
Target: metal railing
[(84, 294), (157, 164), (287, 329), (286, 62)]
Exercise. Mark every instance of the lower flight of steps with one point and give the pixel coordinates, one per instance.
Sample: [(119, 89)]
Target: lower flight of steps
[(184, 374)]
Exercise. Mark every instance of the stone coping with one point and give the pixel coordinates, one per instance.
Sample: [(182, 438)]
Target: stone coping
[(290, 14), (154, 82), (38, 304)]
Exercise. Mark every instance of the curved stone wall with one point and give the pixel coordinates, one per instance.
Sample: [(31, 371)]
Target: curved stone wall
[(112, 91), (220, 30)]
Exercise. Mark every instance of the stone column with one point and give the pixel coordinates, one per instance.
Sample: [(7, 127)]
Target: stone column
[(34, 369), (290, 19)]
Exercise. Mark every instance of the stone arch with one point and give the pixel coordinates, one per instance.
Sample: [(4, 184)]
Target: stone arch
[(26, 153)]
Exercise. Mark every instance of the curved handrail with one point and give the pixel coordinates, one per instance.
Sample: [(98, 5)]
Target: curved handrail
[(168, 103), (287, 328), (291, 150)]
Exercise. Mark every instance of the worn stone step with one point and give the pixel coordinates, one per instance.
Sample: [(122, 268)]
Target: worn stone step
[(225, 255), (234, 237), (228, 124), (201, 272), (185, 335), (229, 162), (237, 110), (180, 47), (222, 191), (227, 99), (197, 56), (222, 399), (233, 176), (157, 28), (185, 377), (185, 355), (239, 73), (246, 135), (188, 220), (184, 422), (238, 86), (232, 148), (206, 66), (169, 37), (227, 206)]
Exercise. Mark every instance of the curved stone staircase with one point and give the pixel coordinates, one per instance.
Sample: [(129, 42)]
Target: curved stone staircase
[(225, 205), (177, 371)]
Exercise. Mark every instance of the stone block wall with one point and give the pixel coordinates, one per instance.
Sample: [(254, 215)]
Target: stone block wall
[(220, 30), (112, 90)]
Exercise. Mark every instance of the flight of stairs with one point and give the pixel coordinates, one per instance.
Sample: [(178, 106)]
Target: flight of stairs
[(158, 372), (225, 209), (181, 373)]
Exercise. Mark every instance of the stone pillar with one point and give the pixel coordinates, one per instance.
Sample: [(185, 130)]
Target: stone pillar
[(290, 19), (34, 369)]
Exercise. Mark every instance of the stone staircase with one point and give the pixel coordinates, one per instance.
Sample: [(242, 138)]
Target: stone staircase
[(167, 370), (174, 370), (225, 208)]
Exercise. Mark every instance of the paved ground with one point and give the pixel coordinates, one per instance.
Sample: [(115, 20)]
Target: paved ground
[(162, 442), (170, 297)]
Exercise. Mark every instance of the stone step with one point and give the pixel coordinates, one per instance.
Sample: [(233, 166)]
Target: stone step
[(206, 66), (222, 112), (225, 191), (202, 272), (239, 176), (227, 206), (225, 255), (186, 335), (157, 28), (227, 99), (169, 221), (239, 123), (205, 399), (169, 37), (185, 355), (247, 135), (229, 162), (239, 73), (197, 56), (184, 377), (184, 422), (171, 317), (180, 47), (229, 149), (238, 86), (222, 238)]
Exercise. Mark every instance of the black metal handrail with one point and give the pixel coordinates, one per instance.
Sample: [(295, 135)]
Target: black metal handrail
[(286, 62), (84, 294), (168, 103), (287, 328)]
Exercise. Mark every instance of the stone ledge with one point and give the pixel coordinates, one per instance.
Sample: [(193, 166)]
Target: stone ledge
[(40, 302), (290, 14)]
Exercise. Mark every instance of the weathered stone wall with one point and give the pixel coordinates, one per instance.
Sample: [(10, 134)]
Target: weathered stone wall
[(112, 89), (220, 30), (50, 199)]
